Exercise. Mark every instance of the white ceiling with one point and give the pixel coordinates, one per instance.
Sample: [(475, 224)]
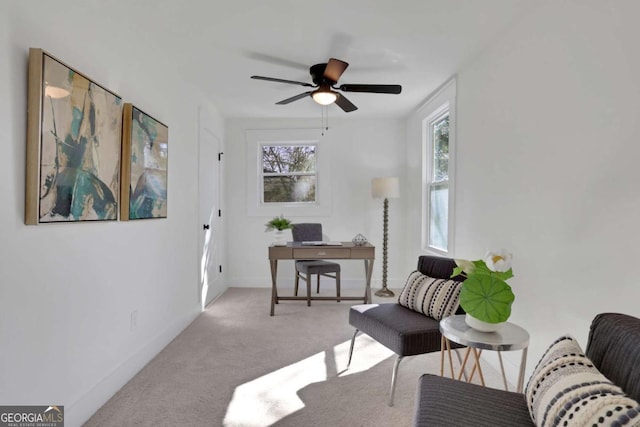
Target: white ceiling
[(218, 45)]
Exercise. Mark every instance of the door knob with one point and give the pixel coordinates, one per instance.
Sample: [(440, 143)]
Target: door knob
[(205, 227)]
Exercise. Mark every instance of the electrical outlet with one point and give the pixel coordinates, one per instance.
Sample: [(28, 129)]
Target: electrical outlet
[(134, 320)]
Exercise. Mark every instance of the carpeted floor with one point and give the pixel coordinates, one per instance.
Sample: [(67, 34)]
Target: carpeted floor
[(237, 366)]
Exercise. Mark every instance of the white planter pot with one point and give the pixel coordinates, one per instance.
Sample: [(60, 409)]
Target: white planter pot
[(482, 326), (279, 238)]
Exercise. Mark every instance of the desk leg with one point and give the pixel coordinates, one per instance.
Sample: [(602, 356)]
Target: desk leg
[(368, 271), (523, 365), (274, 290)]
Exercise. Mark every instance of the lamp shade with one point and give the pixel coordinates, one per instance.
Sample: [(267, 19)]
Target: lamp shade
[(385, 187)]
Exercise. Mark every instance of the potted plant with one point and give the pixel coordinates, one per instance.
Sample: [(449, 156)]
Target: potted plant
[(485, 295), (278, 224)]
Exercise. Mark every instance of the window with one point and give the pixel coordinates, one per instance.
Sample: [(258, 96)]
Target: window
[(438, 139), (289, 173), (438, 185)]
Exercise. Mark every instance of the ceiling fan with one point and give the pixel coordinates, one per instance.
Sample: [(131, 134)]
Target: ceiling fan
[(325, 77)]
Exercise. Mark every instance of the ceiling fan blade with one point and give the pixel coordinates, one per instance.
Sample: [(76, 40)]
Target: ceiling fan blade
[(394, 89), (275, 60), (345, 104), (293, 82), (294, 98), (334, 69)]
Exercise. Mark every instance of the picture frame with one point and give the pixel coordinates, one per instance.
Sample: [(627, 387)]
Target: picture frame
[(145, 157), (74, 144)]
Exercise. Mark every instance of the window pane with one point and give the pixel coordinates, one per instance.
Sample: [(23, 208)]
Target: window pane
[(439, 216), (288, 158), (287, 189), (441, 149)]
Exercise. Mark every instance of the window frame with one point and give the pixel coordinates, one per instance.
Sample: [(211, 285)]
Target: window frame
[(258, 138), (436, 108)]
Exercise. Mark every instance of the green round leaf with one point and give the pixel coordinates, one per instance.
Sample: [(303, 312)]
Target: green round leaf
[(487, 298)]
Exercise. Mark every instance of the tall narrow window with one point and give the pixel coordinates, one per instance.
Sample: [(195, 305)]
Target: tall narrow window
[(438, 185), (437, 121), (289, 173)]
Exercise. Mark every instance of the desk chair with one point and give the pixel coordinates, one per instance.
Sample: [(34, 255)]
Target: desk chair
[(311, 232)]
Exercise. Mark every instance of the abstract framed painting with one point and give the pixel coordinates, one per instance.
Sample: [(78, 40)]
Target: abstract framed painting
[(74, 144), (145, 157)]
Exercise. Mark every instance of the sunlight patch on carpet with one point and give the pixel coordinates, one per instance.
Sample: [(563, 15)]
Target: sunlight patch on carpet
[(366, 354), (272, 397)]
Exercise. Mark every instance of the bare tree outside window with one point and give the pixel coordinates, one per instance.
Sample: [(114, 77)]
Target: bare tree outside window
[(441, 150), (289, 173)]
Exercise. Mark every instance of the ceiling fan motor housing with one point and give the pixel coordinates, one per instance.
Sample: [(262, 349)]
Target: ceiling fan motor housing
[(317, 75)]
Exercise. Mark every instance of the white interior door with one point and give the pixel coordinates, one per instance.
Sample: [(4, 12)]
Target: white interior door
[(209, 242)]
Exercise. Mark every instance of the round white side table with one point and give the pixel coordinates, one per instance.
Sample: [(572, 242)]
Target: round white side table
[(509, 338)]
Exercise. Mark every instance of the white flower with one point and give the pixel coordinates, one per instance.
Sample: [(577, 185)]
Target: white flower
[(499, 261), (466, 266)]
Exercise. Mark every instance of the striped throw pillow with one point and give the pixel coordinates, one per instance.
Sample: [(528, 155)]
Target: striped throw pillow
[(435, 298), (566, 389)]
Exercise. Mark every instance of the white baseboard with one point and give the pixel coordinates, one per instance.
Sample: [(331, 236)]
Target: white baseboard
[(84, 407), (284, 283)]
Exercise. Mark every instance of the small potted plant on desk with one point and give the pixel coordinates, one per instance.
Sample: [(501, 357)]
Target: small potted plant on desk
[(278, 224), (485, 295)]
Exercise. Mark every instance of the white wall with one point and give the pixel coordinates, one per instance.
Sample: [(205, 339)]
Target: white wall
[(548, 138), (548, 141), (67, 290), (358, 150)]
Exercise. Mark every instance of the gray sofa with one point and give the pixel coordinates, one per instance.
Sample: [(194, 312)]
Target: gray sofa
[(613, 347)]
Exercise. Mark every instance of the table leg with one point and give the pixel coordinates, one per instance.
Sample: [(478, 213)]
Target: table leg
[(523, 365), (453, 375), (464, 365), (445, 345), (473, 372), (442, 347), (274, 290), (504, 377), (368, 269), (477, 353)]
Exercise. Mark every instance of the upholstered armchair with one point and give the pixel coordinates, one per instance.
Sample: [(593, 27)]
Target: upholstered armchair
[(409, 331)]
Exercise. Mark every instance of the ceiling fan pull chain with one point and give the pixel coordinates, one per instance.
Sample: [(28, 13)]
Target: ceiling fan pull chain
[(325, 119), (326, 109)]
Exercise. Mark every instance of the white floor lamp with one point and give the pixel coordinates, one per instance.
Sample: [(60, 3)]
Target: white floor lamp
[(385, 188)]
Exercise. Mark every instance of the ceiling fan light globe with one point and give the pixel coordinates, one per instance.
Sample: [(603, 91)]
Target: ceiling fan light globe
[(324, 97)]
